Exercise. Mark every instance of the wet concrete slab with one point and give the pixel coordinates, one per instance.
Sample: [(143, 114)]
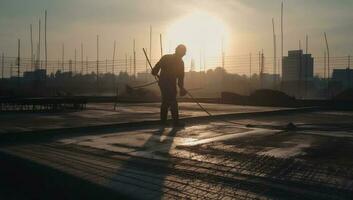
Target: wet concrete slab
[(104, 113), (212, 160)]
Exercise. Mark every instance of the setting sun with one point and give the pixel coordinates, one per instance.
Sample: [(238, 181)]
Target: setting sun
[(201, 32)]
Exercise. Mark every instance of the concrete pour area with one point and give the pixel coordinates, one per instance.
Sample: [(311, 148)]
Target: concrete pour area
[(209, 159), (98, 114)]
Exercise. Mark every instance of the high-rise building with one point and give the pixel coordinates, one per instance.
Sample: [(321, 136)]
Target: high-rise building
[(297, 66), (343, 76)]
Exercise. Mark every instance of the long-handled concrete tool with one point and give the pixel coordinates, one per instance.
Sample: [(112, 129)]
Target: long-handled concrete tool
[(191, 96)]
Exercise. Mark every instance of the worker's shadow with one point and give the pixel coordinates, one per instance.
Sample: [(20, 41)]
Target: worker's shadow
[(142, 176)]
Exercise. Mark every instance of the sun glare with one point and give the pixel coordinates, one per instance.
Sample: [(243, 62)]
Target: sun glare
[(201, 32)]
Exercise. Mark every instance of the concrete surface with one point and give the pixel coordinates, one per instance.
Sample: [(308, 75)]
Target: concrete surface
[(211, 160), (100, 114)]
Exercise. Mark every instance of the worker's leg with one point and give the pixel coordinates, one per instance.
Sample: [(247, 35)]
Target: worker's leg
[(164, 111), (174, 110), (164, 106)]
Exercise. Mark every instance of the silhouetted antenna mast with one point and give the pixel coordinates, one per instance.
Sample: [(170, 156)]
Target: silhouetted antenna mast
[(45, 40), (125, 63), (274, 52), (81, 58), (325, 65), (31, 33), (259, 63), (97, 67), (70, 66), (161, 44), (262, 64), (38, 61), (282, 34), (62, 56), (130, 65), (349, 71), (151, 43), (113, 67), (18, 60), (2, 65), (328, 56), (328, 63), (86, 64), (250, 66), (306, 44), (75, 59), (134, 51), (222, 53)]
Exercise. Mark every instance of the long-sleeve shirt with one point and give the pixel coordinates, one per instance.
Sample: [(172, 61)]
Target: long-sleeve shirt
[(171, 69)]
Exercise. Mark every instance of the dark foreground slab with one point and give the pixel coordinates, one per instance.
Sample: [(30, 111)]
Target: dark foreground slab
[(25, 179)]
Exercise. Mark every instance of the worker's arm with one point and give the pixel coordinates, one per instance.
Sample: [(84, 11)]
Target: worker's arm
[(158, 67)]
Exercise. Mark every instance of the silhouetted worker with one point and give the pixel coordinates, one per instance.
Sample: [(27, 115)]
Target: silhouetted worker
[(171, 67)]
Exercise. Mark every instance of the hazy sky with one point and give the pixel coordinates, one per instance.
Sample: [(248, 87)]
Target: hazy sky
[(248, 21)]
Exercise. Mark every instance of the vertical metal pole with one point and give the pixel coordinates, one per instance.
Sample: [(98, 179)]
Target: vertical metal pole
[(86, 64), (349, 71), (259, 64), (281, 40), (70, 66), (113, 67), (75, 60), (39, 44), (328, 64), (18, 61), (81, 58), (62, 57), (134, 49), (151, 43), (45, 41), (97, 69), (2, 65), (306, 44), (161, 44), (222, 53), (300, 75), (324, 65), (262, 66), (130, 65), (250, 66), (274, 54), (125, 63), (31, 32)]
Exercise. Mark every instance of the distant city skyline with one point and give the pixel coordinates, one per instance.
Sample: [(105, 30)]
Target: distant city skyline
[(248, 25)]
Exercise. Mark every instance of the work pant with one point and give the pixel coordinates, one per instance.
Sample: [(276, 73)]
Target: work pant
[(169, 101)]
